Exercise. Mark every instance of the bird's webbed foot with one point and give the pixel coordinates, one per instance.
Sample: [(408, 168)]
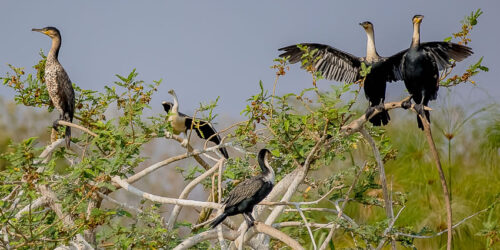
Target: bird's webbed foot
[(55, 124), (420, 109), (369, 111), (406, 104)]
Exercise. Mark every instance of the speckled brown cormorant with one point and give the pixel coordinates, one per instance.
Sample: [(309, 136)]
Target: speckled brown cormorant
[(421, 64), (249, 193), (181, 123), (338, 65), (58, 83)]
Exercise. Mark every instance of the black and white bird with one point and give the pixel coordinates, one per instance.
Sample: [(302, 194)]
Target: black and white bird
[(249, 193), (421, 64), (181, 123), (58, 83)]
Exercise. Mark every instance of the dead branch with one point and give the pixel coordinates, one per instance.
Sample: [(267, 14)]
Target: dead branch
[(165, 200), (194, 153), (444, 231), (385, 192), (69, 124), (357, 124), (446, 193), (187, 190)]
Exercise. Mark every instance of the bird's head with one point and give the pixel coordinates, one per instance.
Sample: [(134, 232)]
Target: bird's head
[(417, 19), (52, 32), (172, 92), (167, 106), (366, 25)]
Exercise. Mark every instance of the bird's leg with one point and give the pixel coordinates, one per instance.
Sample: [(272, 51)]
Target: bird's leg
[(249, 219)]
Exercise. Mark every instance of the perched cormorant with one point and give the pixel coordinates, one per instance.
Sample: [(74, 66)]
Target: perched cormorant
[(337, 65), (420, 67), (249, 193), (181, 123), (58, 83)]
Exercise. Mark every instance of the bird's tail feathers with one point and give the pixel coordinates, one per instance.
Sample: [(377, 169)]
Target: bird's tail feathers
[(381, 118), (67, 136), (218, 220), (224, 152), (428, 116)]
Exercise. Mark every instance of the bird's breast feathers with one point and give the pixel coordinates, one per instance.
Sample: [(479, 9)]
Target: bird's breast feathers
[(178, 124)]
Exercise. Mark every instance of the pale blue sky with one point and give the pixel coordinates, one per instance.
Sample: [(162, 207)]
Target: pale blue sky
[(205, 49)]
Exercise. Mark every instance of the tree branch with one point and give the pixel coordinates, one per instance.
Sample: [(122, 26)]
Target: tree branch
[(387, 198), (187, 190), (165, 200), (446, 193)]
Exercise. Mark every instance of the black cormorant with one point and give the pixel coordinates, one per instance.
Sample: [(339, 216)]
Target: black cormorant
[(58, 83), (181, 123), (249, 193), (421, 64), (337, 65)]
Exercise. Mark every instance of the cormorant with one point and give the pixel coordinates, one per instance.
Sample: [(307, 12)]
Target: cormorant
[(338, 65), (58, 83), (420, 67), (249, 193), (181, 123)]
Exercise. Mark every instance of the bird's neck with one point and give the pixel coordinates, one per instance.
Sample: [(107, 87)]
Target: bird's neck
[(415, 41), (371, 51), (175, 107), (267, 171), (54, 50)]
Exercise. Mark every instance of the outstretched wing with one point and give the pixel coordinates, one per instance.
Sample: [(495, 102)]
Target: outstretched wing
[(205, 130), (247, 188), (444, 51), (334, 64)]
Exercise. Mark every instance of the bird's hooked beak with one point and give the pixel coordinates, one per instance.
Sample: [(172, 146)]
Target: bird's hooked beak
[(418, 18), (40, 30)]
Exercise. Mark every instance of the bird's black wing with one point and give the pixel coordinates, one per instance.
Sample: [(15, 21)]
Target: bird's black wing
[(393, 66), (245, 189), (444, 51), (334, 64), (66, 94), (205, 130)]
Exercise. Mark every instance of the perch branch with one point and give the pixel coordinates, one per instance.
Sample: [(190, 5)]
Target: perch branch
[(446, 194), (84, 129), (357, 124)]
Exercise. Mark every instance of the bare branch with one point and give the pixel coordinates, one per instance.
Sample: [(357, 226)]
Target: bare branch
[(387, 198), (357, 124), (69, 124), (167, 161), (35, 204), (187, 190), (120, 204), (444, 231), (165, 200), (442, 178)]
